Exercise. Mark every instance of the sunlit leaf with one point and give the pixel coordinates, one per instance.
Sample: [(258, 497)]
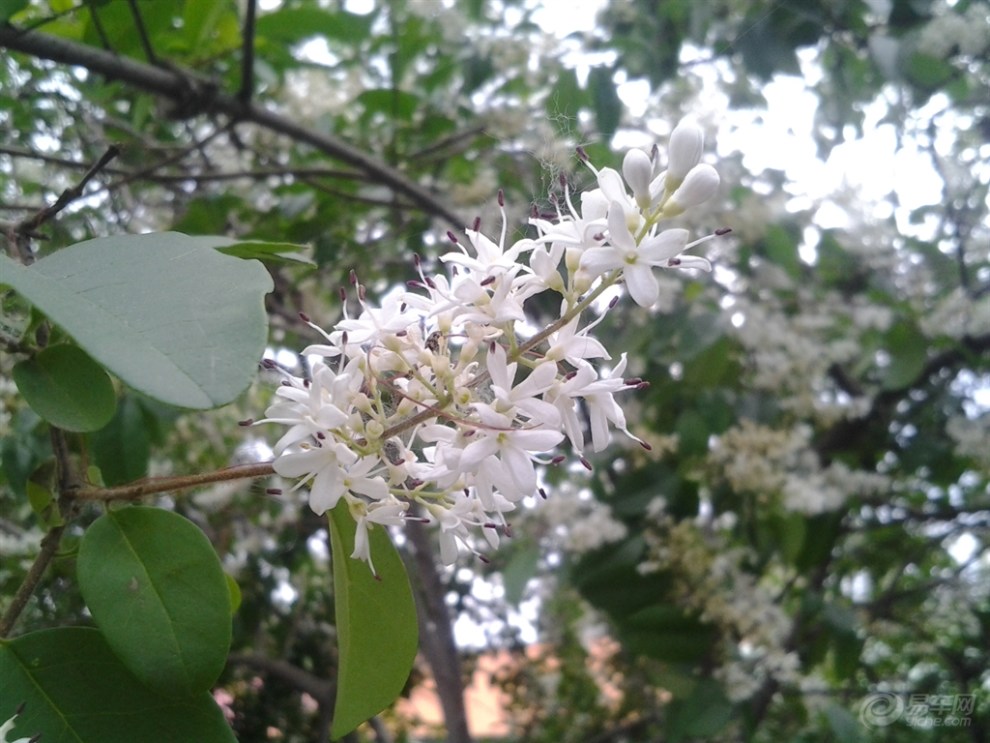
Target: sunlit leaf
[(167, 314)]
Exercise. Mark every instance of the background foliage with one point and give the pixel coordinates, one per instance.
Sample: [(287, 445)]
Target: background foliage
[(812, 524)]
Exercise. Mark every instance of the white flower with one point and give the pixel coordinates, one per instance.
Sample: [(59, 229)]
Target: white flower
[(571, 345), (522, 396), (310, 409), (636, 261), (602, 407), (374, 324), (8, 727), (699, 185), (324, 465), (513, 447), (387, 513), (637, 169), (684, 150), (446, 397)]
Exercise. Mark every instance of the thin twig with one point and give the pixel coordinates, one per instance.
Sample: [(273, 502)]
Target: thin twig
[(149, 52), (247, 55), (49, 546), (28, 226), (153, 485), (197, 94), (171, 159)]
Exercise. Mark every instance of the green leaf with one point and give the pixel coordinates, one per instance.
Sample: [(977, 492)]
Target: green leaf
[(788, 531), (927, 72), (121, 449), (269, 252), (844, 726), (665, 632), (396, 104), (376, 624), (155, 588), (67, 388), (236, 597), (781, 249), (292, 25), (74, 689), (9, 7), (701, 715), (166, 313), (521, 567), (607, 105), (908, 349)]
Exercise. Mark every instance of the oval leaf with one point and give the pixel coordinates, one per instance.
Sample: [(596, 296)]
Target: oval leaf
[(376, 624), (166, 313), (67, 388), (155, 588), (73, 688)]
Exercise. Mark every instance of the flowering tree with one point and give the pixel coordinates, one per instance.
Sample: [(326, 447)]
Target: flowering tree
[(788, 537)]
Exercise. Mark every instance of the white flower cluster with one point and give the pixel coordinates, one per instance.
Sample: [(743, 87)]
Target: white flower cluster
[(774, 463), (951, 32), (713, 579), (440, 397)]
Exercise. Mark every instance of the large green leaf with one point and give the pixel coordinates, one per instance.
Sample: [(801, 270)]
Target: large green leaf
[(155, 587), (376, 624), (67, 388), (74, 689), (166, 313)]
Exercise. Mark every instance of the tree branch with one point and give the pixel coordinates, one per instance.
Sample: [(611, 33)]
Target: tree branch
[(153, 485), (194, 94), (49, 546), (436, 634), (846, 434), (247, 55), (320, 689), (26, 227)]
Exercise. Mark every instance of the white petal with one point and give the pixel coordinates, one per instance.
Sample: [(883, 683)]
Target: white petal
[(520, 467), (686, 143), (699, 185), (597, 261), (611, 185), (637, 169), (641, 284), (618, 228)]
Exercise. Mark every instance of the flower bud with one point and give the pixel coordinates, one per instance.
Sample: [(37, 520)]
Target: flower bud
[(686, 143), (699, 185), (637, 169)]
